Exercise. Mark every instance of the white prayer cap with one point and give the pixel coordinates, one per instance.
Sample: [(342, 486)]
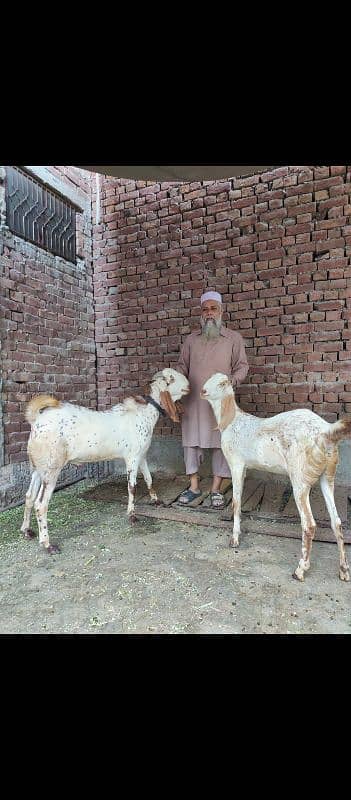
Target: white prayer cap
[(211, 296)]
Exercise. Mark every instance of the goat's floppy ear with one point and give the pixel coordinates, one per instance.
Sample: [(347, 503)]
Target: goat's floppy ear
[(227, 412), (169, 406)]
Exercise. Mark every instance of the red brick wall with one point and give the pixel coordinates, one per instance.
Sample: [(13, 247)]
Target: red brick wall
[(278, 248), (47, 324), (277, 245)]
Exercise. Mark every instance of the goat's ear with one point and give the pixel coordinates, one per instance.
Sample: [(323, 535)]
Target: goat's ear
[(227, 412), (169, 406)]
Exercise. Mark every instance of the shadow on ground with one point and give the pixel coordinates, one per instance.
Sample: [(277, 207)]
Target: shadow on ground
[(159, 576)]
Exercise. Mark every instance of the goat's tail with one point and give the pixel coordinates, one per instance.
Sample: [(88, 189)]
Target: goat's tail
[(339, 430), (37, 404)]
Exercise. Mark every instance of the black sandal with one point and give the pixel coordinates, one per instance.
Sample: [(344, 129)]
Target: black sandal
[(217, 496), (189, 496)]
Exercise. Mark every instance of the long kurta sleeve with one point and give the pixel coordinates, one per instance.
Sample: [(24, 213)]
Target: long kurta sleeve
[(239, 364), (184, 359)]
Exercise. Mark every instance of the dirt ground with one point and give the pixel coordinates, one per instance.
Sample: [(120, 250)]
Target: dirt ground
[(160, 577)]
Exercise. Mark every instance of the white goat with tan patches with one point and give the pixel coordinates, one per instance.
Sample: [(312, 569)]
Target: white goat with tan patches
[(63, 433), (297, 443)]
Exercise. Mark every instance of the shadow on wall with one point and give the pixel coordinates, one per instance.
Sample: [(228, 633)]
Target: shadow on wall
[(165, 455)]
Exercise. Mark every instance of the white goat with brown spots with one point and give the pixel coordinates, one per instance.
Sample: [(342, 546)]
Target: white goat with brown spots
[(297, 443), (63, 433)]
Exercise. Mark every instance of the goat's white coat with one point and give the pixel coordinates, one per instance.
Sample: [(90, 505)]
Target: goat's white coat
[(63, 433), (82, 435), (296, 443)]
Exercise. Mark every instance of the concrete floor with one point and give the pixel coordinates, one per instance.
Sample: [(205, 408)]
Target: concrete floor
[(160, 577)]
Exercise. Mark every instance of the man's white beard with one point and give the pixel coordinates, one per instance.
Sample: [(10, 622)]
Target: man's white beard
[(211, 328)]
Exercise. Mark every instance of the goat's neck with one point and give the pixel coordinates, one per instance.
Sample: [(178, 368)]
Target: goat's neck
[(155, 392), (217, 408)]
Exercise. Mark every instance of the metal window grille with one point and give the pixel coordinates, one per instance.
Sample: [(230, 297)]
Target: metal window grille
[(39, 214)]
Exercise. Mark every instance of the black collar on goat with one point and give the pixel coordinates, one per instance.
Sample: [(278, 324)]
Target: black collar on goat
[(153, 403)]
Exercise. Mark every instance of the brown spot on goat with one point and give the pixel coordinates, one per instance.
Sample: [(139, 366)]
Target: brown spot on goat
[(298, 443), (169, 406), (340, 430), (38, 404), (29, 534), (227, 412), (52, 549), (132, 489), (63, 433)]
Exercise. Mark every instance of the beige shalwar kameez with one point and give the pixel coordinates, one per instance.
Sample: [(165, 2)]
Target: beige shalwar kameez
[(199, 359)]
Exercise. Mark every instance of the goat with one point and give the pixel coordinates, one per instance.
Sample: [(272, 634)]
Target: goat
[(297, 443), (63, 433)]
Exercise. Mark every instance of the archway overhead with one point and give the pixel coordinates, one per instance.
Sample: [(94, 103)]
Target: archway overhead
[(177, 172)]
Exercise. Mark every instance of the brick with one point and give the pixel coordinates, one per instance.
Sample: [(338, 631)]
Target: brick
[(156, 250)]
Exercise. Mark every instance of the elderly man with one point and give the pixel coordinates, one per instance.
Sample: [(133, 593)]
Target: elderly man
[(212, 349)]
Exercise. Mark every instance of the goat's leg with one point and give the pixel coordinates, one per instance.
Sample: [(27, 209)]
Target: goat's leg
[(302, 500), (132, 471), (238, 474), (41, 509), (327, 487), (148, 480), (31, 495)]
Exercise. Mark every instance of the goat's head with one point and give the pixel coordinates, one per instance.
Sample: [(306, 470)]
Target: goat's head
[(172, 386), (219, 392)]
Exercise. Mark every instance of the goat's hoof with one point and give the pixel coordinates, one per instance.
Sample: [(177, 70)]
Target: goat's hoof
[(297, 577), (133, 519), (52, 549), (233, 543), (344, 574), (29, 533)]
